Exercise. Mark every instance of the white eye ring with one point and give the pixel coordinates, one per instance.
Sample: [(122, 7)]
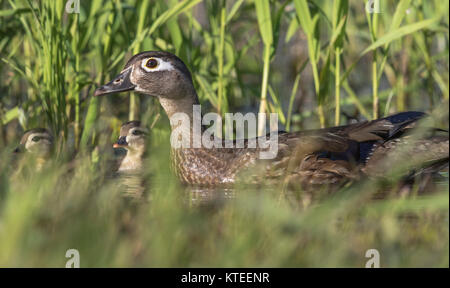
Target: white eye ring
[(161, 65), (147, 66)]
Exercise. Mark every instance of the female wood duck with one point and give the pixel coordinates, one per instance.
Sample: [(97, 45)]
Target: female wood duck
[(37, 144), (316, 157)]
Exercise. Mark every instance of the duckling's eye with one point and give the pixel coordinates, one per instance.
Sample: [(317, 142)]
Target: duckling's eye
[(137, 132), (36, 139), (152, 63)]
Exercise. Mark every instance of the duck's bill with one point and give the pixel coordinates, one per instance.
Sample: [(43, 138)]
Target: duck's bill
[(115, 145), (122, 143), (119, 84)]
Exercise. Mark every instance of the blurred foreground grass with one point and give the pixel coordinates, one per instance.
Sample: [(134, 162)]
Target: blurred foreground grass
[(47, 213)]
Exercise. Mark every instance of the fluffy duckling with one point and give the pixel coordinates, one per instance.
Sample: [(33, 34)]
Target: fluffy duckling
[(132, 139), (37, 144)]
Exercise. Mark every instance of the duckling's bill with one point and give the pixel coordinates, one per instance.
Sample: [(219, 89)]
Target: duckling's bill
[(121, 143)]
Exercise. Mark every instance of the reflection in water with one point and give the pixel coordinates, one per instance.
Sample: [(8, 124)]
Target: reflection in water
[(131, 184), (134, 187), (206, 196)]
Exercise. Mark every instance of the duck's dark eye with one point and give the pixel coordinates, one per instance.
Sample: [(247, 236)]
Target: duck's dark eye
[(137, 132), (36, 139), (152, 63)]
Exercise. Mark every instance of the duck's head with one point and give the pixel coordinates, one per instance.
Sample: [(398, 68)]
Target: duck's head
[(37, 142), (154, 73), (132, 137), (159, 74)]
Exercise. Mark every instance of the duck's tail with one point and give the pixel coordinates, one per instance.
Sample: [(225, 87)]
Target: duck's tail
[(410, 146)]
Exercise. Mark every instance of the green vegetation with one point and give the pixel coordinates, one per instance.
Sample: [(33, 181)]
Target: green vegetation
[(315, 63)]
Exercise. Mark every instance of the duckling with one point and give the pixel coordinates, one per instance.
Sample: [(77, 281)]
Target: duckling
[(132, 139), (37, 144), (317, 157)]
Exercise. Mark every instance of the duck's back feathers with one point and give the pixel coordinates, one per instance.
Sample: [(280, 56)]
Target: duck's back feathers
[(314, 157)]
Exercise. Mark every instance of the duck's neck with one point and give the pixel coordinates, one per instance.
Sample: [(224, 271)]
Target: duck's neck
[(184, 116), (132, 161), (180, 105), (40, 162)]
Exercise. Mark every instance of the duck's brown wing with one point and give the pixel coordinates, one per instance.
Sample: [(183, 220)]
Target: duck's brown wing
[(332, 155), (409, 153), (314, 158)]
